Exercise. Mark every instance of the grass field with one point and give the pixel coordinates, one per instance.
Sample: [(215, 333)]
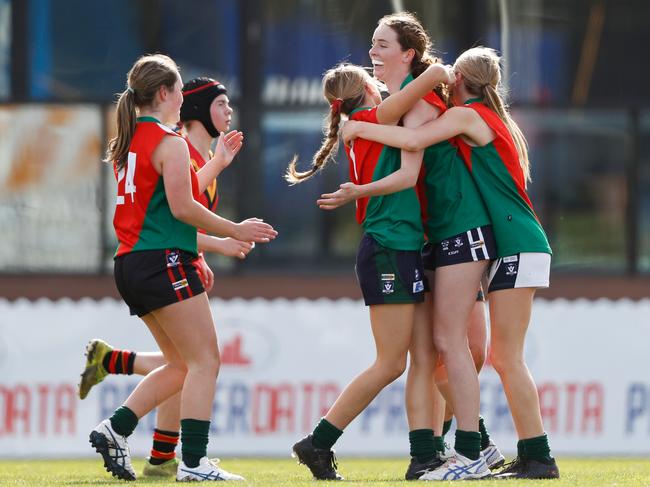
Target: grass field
[(585, 472)]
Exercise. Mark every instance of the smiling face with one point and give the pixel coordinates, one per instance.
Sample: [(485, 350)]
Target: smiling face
[(388, 59), (221, 113)]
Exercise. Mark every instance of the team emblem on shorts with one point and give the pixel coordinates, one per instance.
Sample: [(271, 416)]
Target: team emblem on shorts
[(418, 287), (511, 269), (173, 259), (458, 242), (445, 245), (387, 283)]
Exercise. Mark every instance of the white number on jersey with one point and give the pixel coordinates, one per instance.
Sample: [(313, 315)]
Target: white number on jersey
[(129, 184)]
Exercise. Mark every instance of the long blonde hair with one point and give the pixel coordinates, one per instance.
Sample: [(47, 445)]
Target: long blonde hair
[(481, 71), (147, 75), (344, 88), (412, 35)]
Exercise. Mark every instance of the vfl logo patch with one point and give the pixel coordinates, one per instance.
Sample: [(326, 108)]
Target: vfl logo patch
[(180, 284), (418, 287), (173, 259), (511, 269), (388, 287)]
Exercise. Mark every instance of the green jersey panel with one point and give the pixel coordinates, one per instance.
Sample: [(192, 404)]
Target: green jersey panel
[(394, 219)]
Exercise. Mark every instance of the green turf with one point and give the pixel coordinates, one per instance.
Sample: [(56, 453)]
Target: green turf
[(585, 472)]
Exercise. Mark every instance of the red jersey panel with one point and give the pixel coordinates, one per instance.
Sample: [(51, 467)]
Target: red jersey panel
[(210, 197), (363, 156)]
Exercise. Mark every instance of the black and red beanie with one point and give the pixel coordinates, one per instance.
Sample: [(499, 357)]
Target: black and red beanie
[(198, 94)]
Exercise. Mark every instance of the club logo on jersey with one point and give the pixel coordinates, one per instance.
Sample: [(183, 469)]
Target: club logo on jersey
[(445, 245), (458, 242), (511, 269), (173, 259), (418, 287), (180, 284)]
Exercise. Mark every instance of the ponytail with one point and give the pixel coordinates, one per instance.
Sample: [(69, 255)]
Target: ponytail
[(118, 147), (482, 76), (494, 101), (329, 145), (147, 75), (344, 87)]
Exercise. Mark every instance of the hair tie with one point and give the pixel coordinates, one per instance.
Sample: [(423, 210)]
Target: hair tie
[(130, 90), (336, 106)]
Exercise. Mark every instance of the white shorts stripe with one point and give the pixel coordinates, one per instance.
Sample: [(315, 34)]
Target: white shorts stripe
[(527, 269)]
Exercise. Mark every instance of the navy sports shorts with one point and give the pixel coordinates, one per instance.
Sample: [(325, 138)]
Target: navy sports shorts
[(389, 276), (151, 279), (470, 246)]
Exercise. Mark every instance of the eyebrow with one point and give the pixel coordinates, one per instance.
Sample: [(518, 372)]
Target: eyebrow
[(379, 40)]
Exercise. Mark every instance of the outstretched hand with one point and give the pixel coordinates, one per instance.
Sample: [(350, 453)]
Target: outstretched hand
[(255, 230), (228, 146), (236, 248), (347, 192)]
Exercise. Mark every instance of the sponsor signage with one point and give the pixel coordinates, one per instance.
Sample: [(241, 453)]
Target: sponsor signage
[(285, 362)]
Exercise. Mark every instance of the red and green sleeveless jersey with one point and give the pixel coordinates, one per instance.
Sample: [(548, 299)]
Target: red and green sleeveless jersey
[(450, 201), (393, 220), (143, 220), (210, 197), (500, 180)]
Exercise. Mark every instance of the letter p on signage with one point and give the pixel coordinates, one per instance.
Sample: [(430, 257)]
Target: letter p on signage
[(637, 405)]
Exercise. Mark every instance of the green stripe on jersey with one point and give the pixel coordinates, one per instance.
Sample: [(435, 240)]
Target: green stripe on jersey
[(516, 228), (161, 230), (394, 219), (453, 203)]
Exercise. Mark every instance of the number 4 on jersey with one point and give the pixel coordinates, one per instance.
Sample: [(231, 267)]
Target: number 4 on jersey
[(129, 185)]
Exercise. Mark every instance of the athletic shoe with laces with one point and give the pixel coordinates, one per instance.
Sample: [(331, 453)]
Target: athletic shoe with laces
[(459, 468), (448, 453), (321, 462), (522, 468), (493, 456), (417, 469), (114, 449), (207, 470), (166, 469), (94, 372)]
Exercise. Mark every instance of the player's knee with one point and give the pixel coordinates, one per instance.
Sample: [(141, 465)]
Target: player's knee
[(177, 372), (505, 361), (391, 370), (444, 346), (207, 362)]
